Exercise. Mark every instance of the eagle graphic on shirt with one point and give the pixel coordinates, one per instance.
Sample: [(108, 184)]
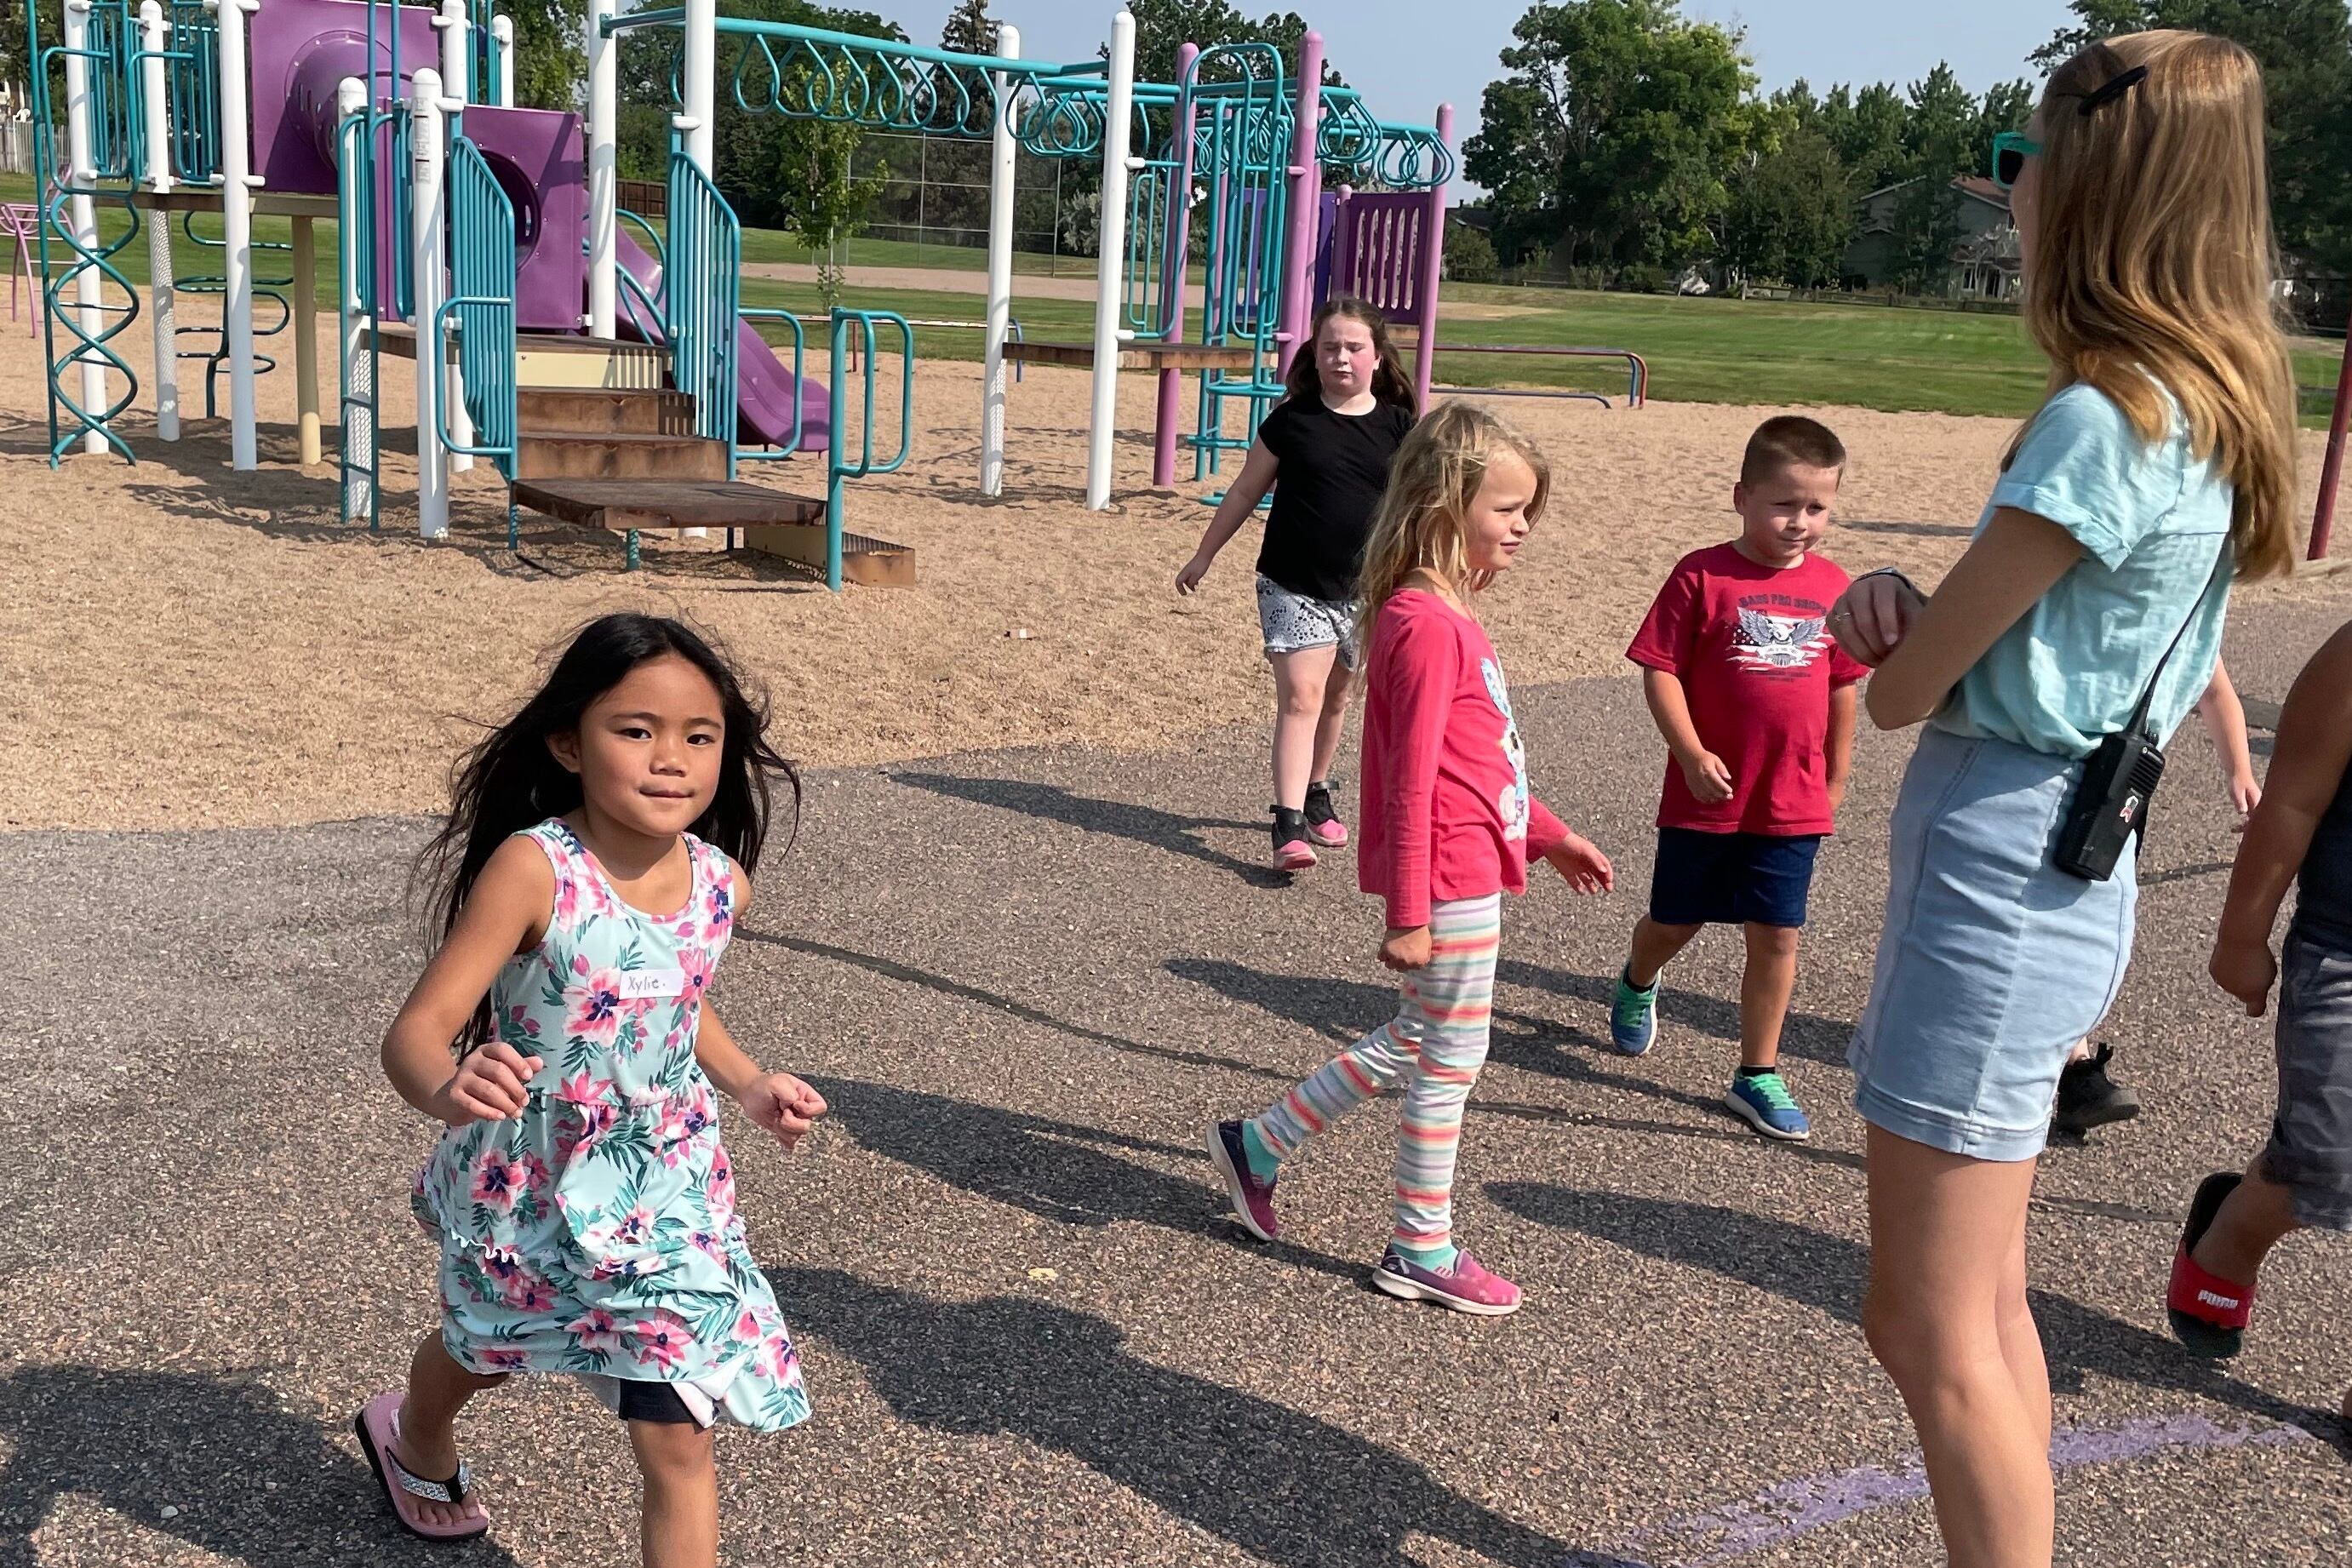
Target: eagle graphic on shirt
[(1768, 642)]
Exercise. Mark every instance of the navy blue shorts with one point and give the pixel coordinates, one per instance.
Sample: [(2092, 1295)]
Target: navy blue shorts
[(1731, 879)]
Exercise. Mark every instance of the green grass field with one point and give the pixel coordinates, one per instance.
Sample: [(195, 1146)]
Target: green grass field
[(1698, 350)]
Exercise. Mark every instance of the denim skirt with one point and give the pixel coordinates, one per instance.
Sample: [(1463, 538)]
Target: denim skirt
[(1993, 962)]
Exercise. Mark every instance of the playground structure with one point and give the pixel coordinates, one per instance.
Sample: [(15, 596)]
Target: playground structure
[(619, 384)]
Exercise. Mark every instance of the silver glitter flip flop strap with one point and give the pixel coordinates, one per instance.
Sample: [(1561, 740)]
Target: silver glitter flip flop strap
[(452, 1490)]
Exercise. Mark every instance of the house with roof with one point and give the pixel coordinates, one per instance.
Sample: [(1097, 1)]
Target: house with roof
[(1983, 263)]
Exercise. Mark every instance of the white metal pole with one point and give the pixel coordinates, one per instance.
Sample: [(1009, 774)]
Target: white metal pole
[(701, 73), (457, 89), (82, 173), (604, 114), (356, 307), (153, 30), (424, 266), (1111, 266), (1001, 169), (236, 230), (502, 33)]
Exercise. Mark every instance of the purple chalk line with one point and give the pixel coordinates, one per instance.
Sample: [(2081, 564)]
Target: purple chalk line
[(1789, 1509)]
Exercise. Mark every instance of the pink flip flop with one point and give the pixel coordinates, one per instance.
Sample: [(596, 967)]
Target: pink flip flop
[(378, 1425)]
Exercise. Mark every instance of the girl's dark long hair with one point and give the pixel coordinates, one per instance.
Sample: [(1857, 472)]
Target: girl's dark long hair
[(510, 781), (1390, 383)]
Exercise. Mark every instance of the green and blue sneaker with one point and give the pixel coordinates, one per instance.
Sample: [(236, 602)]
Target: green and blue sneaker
[(1634, 1016), (1765, 1100)]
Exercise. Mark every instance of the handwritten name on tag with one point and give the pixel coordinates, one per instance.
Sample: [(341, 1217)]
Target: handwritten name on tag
[(642, 985)]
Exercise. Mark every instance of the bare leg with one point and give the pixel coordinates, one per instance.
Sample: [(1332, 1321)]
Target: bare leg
[(1654, 947), (2254, 1217), (1333, 724), (1300, 679), (1945, 1233), (681, 1522), (1765, 987), (437, 1389), (2020, 1341)]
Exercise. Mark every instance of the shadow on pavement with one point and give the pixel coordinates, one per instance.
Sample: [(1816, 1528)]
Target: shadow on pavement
[(1122, 820), (1811, 1036), (1059, 1171), (1282, 1486), (211, 1449), (1826, 1272), (891, 969)]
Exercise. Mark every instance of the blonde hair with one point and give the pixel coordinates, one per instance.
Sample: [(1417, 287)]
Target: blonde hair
[(1431, 483), (2153, 261)]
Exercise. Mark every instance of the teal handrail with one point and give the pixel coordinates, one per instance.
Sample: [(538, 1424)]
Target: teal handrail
[(701, 290), (359, 459), (643, 306), (482, 299), (792, 443), (192, 83), (839, 468)]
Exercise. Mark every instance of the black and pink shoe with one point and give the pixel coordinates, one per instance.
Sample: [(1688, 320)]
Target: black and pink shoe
[(1294, 846), (1469, 1286), (1323, 817), (1253, 1195), (2209, 1313)]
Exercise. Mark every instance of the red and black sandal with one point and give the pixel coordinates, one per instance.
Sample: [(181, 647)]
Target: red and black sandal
[(2209, 1313)]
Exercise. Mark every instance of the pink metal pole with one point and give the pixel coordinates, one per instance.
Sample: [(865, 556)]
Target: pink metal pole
[(1306, 198), (1171, 272), (2331, 471), (1433, 261)]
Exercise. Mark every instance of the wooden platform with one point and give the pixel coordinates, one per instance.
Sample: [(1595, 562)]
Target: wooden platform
[(1135, 356), (207, 199), (773, 522), (651, 504)]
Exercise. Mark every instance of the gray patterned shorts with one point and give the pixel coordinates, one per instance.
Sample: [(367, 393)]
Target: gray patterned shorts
[(1292, 622), (2310, 1150)]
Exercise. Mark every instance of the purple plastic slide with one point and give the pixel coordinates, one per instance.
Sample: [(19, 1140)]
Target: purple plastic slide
[(764, 387)]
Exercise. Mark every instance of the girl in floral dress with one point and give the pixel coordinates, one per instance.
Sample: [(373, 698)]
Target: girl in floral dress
[(593, 864)]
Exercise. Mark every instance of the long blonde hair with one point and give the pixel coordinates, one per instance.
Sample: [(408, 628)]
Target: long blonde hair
[(2154, 258), (1435, 477)]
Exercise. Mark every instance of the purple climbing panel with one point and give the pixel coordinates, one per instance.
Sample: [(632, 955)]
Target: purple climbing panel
[(302, 49), (1375, 252)]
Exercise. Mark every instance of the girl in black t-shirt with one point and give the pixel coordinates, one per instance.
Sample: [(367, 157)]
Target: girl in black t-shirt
[(1329, 441)]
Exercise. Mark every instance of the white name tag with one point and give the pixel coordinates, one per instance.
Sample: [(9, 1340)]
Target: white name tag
[(637, 985)]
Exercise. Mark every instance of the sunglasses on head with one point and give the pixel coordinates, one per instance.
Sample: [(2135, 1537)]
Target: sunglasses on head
[(2010, 148)]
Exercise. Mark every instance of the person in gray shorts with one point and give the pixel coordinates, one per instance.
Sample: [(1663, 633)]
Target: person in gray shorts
[(2302, 832)]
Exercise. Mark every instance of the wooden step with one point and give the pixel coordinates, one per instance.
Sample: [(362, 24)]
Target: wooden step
[(774, 522), (559, 360), (553, 455), (604, 411)]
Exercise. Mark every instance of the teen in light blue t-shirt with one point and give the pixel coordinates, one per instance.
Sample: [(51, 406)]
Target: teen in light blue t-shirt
[(2153, 520)]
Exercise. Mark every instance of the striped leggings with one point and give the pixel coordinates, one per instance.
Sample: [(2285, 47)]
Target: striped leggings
[(1438, 1040)]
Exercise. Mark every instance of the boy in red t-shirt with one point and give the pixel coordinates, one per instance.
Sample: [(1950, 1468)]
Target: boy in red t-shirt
[(1755, 701)]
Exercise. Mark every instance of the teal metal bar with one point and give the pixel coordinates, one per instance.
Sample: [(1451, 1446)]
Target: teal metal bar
[(358, 456), (482, 299), (839, 470), (790, 444), (701, 292)]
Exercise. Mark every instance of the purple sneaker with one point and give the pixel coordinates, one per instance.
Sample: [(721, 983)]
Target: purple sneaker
[(1467, 1286), (1252, 1199)]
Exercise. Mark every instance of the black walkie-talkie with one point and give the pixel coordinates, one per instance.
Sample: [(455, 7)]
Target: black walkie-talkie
[(2119, 779), (2110, 805)]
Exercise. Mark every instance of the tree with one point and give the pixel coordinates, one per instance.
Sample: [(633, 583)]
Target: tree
[(970, 30), (1866, 129), (1163, 27), (2305, 50), (1469, 255), (550, 61), (1611, 139), (1790, 213)]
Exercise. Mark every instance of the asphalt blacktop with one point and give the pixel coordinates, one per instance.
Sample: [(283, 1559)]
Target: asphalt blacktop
[(1026, 979)]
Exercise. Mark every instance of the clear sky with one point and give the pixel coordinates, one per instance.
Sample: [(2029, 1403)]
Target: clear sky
[(1407, 56)]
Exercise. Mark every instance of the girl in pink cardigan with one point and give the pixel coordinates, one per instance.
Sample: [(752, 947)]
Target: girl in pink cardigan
[(1448, 828)]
